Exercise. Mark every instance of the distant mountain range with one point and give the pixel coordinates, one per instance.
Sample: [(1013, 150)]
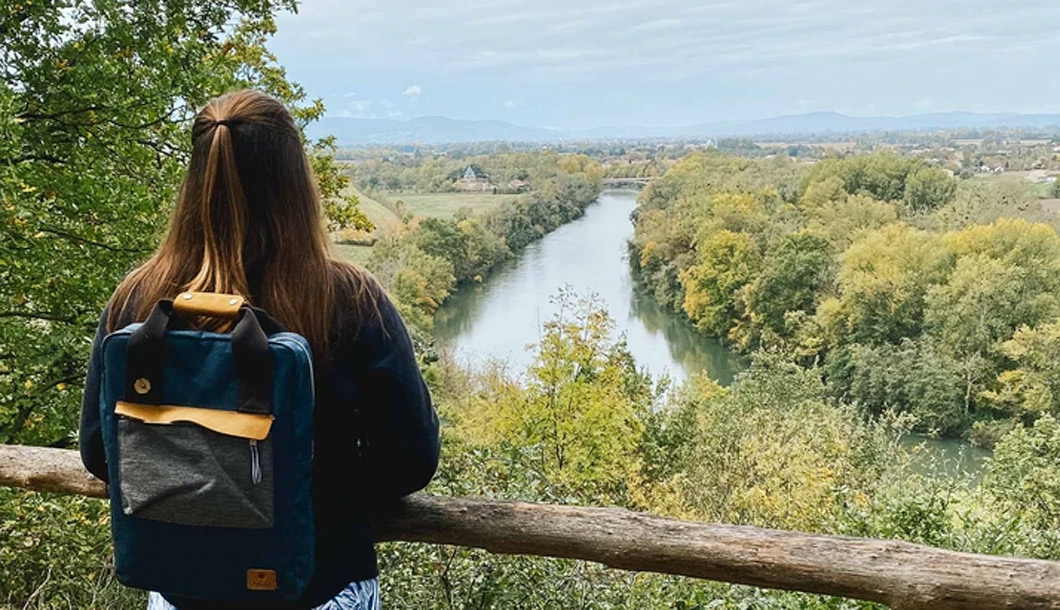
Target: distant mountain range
[(437, 129)]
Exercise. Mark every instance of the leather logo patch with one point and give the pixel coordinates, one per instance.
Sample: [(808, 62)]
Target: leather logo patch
[(261, 580)]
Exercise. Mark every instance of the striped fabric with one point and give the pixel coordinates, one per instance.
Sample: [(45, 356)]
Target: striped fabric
[(361, 595)]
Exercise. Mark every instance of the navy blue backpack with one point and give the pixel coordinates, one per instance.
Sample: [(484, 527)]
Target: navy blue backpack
[(209, 444)]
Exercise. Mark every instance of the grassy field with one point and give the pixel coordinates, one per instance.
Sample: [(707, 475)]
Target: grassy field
[(444, 205), (1032, 179), (1044, 189), (385, 221), (354, 253), (432, 205)]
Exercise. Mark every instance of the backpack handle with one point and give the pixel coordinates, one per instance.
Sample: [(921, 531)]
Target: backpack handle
[(146, 358), (212, 304)]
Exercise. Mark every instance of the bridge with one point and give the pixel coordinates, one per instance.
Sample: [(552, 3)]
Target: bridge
[(626, 182), (902, 575)]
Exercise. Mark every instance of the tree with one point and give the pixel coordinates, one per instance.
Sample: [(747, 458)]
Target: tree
[(984, 201), (774, 449), (735, 212), (579, 411), (914, 376), (417, 281), (823, 192), (794, 271), (1007, 274), (843, 220), (929, 188), (94, 136), (1032, 387), (1024, 474), (882, 282), (882, 174), (725, 262)]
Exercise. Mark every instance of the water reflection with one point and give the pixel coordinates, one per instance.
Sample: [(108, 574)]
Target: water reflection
[(499, 318), (687, 346), (950, 457)]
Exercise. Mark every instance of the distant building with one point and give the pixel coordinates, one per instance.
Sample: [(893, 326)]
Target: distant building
[(472, 178), (519, 186)]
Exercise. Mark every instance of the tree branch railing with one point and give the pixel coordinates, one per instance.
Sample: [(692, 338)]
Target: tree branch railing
[(899, 574)]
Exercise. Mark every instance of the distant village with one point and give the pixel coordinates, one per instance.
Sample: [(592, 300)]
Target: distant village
[(1032, 156)]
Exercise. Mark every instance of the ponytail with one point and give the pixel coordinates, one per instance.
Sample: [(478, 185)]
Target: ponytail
[(224, 220)]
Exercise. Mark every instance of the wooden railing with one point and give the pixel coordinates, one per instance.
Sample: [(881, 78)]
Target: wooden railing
[(899, 574)]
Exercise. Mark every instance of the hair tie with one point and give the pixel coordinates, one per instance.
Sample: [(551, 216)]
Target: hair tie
[(226, 122)]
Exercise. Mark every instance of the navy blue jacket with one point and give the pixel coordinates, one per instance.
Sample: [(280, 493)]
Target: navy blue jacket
[(376, 440)]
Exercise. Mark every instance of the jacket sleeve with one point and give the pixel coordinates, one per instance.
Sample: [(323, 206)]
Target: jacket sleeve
[(401, 439), (90, 436)]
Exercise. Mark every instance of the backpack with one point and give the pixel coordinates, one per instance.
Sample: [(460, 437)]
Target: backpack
[(209, 445)]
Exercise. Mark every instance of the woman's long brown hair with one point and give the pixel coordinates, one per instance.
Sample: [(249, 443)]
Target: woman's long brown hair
[(248, 221)]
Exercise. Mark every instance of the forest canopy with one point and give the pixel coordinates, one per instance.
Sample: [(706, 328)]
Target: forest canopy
[(915, 291)]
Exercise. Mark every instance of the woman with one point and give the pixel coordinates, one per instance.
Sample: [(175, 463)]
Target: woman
[(248, 221)]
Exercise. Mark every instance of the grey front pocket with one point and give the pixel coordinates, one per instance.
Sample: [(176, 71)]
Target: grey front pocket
[(184, 473)]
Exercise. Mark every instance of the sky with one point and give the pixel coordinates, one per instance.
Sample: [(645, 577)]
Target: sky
[(577, 64)]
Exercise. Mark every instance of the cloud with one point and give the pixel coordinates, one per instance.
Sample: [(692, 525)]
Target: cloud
[(510, 104), (412, 91), (656, 25), (356, 108)]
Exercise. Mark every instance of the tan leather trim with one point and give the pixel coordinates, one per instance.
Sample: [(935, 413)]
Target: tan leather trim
[(261, 580), (233, 423), (214, 304)]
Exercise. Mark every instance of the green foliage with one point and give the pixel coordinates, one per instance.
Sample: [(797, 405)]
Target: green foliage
[(882, 175), (556, 202), (845, 218), (578, 411), (340, 205), (417, 281), (773, 450), (1023, 474), (928, 188), (984, 201), (1033, 386), (467, 244), (1007, 274), (914, 377), (725, 263), (794, 271), (55, 554), (423, 264), (882, 285)]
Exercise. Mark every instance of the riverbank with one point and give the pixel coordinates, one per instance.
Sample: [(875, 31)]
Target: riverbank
[(432, 254), (497, 318)]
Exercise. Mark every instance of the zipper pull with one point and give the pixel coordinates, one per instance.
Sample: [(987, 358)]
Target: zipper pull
[(255, 464)]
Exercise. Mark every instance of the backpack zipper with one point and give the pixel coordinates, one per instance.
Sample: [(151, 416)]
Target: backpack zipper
[(255, 464)]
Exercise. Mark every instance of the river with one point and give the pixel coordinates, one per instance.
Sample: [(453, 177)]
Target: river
[(499, 318)]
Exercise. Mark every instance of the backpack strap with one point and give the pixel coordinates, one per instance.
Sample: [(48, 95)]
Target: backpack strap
[(146, 358)]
